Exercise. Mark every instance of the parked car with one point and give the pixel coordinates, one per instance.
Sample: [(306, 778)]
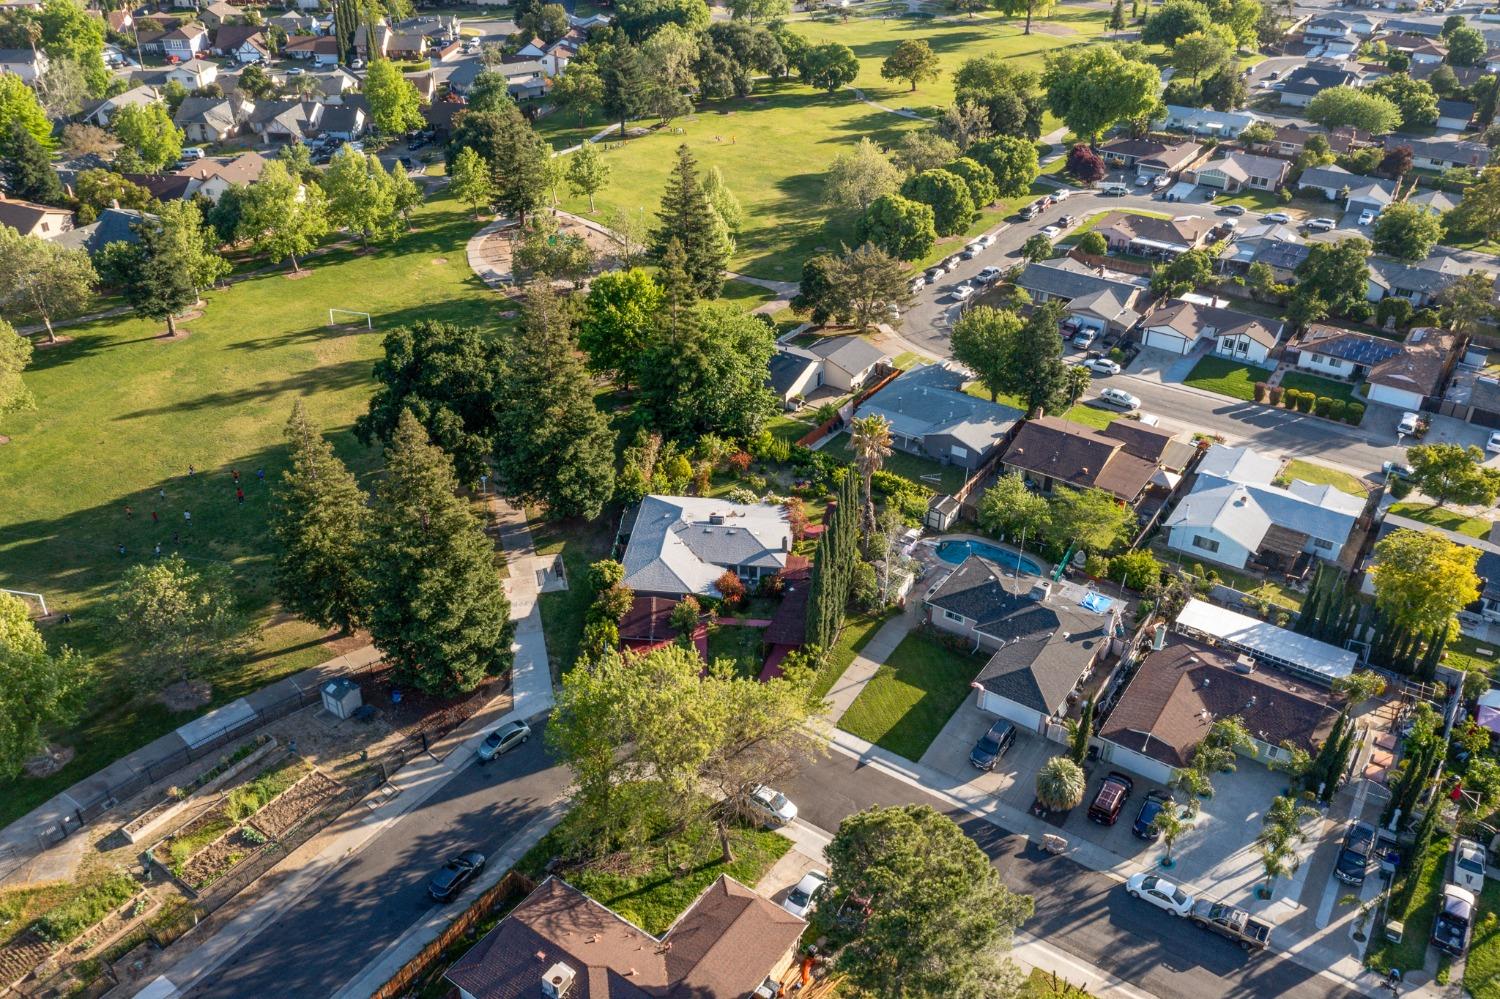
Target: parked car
[(1085, 336), (1120, 398), (453, 876), (1161, 893), (971, 251), (1321, 225), (1052, 232), (992, 745), (1233, 209), (1468, 865), (1280, 217), (1067, 220), (1356, 854), (1115, 190), (1450, 931), (916, 284), (192, 153), (775, 808), (933, 273), (1061, 195), (1141, 180), (503, 740), (986, 241), (963, 292), (1160, 182), (1110, 798), (1397, 469), (1231, 923), (1410, 423), (1493, 444), (1101, 366), (1150, 809), (805, 896), (1367, 216), (988, 274)]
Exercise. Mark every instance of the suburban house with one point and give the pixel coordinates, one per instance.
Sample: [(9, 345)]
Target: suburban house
[(683, 544), (648, 624), (1207, 121), (194, 74), (1068, 280), (1180, 325), (1305, 658), (843, 363), (1428, 29), (1102, 311), (525, 79), (1232, 514), (138, 96), (1421, 50), (1150, 157), (213, 175), (1127, 232), (185, 42), (1277, 246), (1436, 202), (559, 943), (1397, 374), (30, 219), (1368, 194), (287, 120), (118, 21), (1291, 140), (1442, 152), (114, 225), (1345, 20), (323, 50), (28, 64), (383, 36), (1454, 116), (1300, 86), (1044, 646), (1124, 461), (1240, 171), (1329, 181), (407, 47), (211, 119), (343, 121), (1181, 689), (218, 13), (930, 415), (1420, 282), (426, 84)]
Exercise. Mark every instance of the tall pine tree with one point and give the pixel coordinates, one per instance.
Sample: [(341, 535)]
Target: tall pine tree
[(320, 521), (552, 445), (26, 167), (688, 216), (436, 609)]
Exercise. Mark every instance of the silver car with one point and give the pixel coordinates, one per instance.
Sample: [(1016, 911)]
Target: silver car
[(503, 740)]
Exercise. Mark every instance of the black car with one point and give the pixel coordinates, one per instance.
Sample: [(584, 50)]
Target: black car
[(1450, 933), (1150, 809), (455, 874), (992, 745), (1356, 854)]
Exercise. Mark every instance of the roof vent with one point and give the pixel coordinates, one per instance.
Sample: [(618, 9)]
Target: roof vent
[(716, 518), (1040, 592), (557, 981), (1244, 664)]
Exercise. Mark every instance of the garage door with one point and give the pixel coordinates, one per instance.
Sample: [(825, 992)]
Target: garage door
[(1166, 341), (1027, 719), (1136, 762), (1485, 418)]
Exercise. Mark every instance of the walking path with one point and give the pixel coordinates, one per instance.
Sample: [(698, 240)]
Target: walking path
[(868, 662)]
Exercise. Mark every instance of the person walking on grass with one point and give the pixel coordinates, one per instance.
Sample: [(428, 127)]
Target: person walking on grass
[(121, 550), (239, 495), (129, 513), (154, 518), (236, 473), (187, 517)]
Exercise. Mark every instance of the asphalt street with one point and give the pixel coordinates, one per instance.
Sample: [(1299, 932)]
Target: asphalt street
[(1079, 911), (326, 938)]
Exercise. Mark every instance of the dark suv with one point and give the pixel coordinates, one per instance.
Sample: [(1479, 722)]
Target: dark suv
[(992, 745), (1150, 809), (1450, 932), (1354, 856), (454, 875), (1109, 801)]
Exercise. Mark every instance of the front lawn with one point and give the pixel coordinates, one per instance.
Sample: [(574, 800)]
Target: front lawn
[(1217, 374), (856, 634), (1322, 475), (923, 471), (1444, 517), (1471, 655), (912, 696), (1420, 889), (1482, 968), (1096, 417), (1320, 386), (563, 611), (741, 646)]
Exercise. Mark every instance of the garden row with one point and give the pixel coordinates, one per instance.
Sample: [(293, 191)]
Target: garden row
[(1309, 402)]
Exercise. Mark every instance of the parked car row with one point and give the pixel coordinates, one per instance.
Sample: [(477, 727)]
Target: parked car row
[(1228, 921), (1454, 925)]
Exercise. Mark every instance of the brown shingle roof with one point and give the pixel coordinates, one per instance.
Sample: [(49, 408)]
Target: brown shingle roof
[(1189, 319), (1078, 456), (649, 620), (1187, 230), (1421, 367), (1179, 692)]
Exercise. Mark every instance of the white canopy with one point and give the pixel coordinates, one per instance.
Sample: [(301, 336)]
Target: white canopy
[(1314, 660)]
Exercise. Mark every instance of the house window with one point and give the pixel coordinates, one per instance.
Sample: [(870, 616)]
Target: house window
[(1335, 362), (1207, 544), (948, 615), (962, 454), (1326, 546)]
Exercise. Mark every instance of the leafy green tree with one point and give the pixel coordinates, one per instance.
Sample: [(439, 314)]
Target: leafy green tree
[(857, 287), (1415, 99), (1406, 232), (1091, 518), (1182, 274), (1011, 161), (15, 354), (1453, 473), (469, 180), (984, 341), (588, 172), (760, 10), (395, 105), (709, 375), (1336, 275), (149, 139), (1176, 19), (98, 189), (829, 66), (1339, 106), (1037, 247), (1060, 784), (19, 105), (319, 523), (1466, 47), (1200, 54), (552, 445), (913, 61), (1094, 87), (40, 689), (981, 183), (902, 227), (945, 918), (947, 195), (26, 169), (1466, 302), (1008, 509), (1093, 243), (280, 216), (62, 88), (543, 249), (1422, 580), (688, 217), (43, 278), (1028, 8), (360, 197), (1037, 371), (71, 32), (640, 19), (175, 621), (1479, 213), (856, 178), (161, 274), (435, 608), (618, 322)]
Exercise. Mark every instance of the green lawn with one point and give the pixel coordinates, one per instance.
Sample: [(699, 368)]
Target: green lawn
[(1444, 517), (741, 646), (856, 634), (563, 611), (1482, 970), (1320, 386), (1090, 416), (121, 414), (1464, 653), (1226, 377), (746, 295), (1322, 475), (1418, 914), (922, 471), (911, 697)]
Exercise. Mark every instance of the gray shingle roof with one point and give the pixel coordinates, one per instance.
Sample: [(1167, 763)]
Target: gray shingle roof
[(852, 353), (928, 401), (1061, 281), (677, 547)]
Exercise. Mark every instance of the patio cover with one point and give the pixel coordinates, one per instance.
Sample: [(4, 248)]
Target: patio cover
[(1488, 712), (1308, 657)]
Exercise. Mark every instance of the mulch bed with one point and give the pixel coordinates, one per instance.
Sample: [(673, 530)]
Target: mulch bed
[(214, 860), (295, 804)]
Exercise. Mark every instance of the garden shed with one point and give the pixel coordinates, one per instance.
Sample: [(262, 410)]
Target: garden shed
[(341, 697)]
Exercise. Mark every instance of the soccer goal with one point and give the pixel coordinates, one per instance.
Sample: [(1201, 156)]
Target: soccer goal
[(332, 321), (30, 599)]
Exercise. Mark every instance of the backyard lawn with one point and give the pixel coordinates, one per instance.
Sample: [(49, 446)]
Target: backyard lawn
[(1444, 517), (1217, 374), (563, 611), (923, 471), (121, 415), (1420, 911), (1482, 967), (740, 645), (1320, 386), (1322, 475), (911, 697)]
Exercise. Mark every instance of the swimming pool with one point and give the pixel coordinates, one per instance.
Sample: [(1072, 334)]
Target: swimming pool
[(954, 552)]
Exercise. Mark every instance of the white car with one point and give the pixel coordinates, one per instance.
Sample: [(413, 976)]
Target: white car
[(804, 897), (971, 251), (916, 284), (1408, 424), (1281, 217), (775, 808), (933, 273), (1051, 232), (1161, 182), (1468, 865), (1493, 444), (1101, 366), (1120, 398), (963, 292), (988, 274), (986, 241), (1061, 195), (1321, 225), (1161, 893), (1367, 216)]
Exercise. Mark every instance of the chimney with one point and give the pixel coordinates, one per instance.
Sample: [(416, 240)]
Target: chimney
[(1159, 638), (716, 518)]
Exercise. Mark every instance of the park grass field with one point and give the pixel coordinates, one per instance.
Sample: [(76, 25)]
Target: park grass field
[(121, 415)]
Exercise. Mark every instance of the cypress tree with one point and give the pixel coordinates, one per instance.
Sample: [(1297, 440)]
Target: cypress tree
[(435, 605), (319, 520), (1312, 608), (27, 168), (833, 566), (552, 445), (688, 216)]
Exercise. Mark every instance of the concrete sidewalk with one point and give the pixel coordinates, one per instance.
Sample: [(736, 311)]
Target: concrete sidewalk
[(867, 662)]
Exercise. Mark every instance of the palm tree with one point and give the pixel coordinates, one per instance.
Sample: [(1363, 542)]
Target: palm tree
[(1169, 823), (1059, 784), (1075, 384), (1193, 783), (1283, 821), (1278, 860), (870, 437)]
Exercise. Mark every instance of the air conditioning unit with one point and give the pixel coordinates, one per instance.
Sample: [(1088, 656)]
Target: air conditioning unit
[(557, 981), (1244, 664)]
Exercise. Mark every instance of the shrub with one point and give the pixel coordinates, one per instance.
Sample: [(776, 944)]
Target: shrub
[(864, 591), (1117, 355), (1336, 409), (1321, 404), (1426, 317), (730, 588), (1261, 390), (739, 494), (1096, 566), (1305, 402), (1354, 412), (1274, 394), (1136, 570), (739, 462), (1289, 398), (1400, 488), (1093, 243), (1284, 195), (71, 919)]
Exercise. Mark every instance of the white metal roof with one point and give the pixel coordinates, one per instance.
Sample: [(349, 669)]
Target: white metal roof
[(1261, 638)]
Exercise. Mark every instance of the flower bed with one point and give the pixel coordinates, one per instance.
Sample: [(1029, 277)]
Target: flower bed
[(296, 804), (219, 857), (145, 825)]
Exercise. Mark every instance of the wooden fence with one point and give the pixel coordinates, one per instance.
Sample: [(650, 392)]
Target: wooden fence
[(823, 430), (502, 891)]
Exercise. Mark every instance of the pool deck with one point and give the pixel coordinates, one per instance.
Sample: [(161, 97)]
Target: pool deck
[(926, 551)]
